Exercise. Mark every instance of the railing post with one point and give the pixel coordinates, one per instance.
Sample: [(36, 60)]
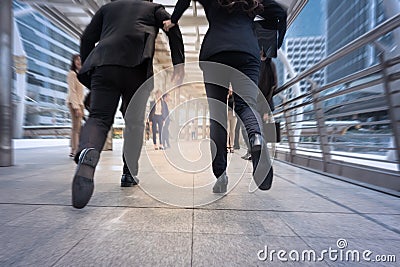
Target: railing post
[(289, 132), (393, 100), (6, 155), (321, 128)]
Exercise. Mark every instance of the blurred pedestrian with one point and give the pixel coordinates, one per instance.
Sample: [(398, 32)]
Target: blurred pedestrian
[(167, 120), (75, 102)]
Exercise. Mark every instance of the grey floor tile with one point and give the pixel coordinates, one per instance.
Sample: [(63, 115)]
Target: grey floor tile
[(240, 223), (120, 248), (66, 217), (335, 225), (9, 212), (354, 251), (244, 250), (27, 246)]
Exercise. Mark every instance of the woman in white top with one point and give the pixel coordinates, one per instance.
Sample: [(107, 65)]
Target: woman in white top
[(75, 102)]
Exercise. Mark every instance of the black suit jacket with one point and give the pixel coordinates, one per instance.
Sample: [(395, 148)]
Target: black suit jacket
[(271, 31), (125, 31), (227, 31)]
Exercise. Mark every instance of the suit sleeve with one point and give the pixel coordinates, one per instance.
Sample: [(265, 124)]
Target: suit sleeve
[(174, 37), (180, 7), (275, 19), (91, 35)]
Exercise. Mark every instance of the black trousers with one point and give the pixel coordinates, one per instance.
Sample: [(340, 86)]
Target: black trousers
[(165, 133), (108, 85), (242, 73), (239, 127), (157, 122)]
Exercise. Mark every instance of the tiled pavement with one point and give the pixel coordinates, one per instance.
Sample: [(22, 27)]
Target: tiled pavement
[(164, 222)]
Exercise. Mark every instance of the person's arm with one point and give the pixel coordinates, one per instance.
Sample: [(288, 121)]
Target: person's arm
[(180, 7), (275, 19), (91, 35), (174, 36)]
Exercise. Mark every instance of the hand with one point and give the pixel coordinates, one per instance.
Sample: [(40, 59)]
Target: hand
[(266, 117), (168, 25), (78, 113), (179, 74)]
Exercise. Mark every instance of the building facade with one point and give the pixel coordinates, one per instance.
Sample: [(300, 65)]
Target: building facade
[(346, 21), (48, 53), (303, 52)]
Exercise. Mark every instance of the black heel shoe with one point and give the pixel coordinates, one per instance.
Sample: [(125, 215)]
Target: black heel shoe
[(264, 175), (256, 143), (267, 183), (221, 185)]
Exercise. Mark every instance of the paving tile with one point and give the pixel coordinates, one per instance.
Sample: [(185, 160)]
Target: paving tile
[(240, 223), (154, 224), (120, 248), (66, 217), (244, 250), (350, 251), (10, 212), (335, 225), (30, 246)]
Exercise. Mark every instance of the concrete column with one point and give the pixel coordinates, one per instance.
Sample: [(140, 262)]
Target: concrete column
[(6, 153)]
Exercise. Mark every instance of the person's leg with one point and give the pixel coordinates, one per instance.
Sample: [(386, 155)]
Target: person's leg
[(134, 116), (236, 144), (245, 106), (75, 130), (216, 96), (166, 134), (232, 131), (104, 102), (228, 130), (160, 130), (154, 129)]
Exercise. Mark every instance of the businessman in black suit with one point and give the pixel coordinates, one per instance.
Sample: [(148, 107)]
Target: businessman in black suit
[(125, 33)]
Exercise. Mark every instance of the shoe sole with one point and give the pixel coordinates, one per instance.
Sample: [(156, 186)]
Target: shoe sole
[(263, 182), (82, 184), (220, 187), (124, 184)]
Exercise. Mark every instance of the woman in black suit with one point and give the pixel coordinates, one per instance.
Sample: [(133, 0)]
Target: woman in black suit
[(231, 41)]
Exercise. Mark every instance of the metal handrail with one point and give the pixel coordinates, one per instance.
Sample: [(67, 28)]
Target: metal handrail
[(387, 26), (362, 153)]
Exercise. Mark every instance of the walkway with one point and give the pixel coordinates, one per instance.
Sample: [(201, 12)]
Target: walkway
[(303, 213)]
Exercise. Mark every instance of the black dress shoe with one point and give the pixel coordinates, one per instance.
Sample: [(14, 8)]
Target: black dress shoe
[(127, 180), (221, 185), (82, 184), (247, 156), (236, 147)]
